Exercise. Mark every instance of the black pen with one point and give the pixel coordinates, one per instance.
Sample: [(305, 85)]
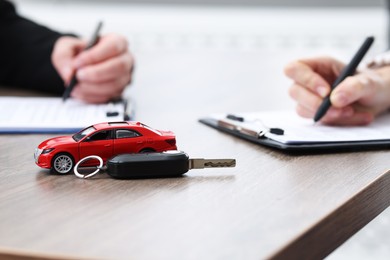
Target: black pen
[(347, 71), (73, 81)]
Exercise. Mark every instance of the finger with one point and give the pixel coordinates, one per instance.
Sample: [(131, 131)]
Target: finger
[(93, 97), (305, 97), (106, 70), (304, 75), (304, 112), (337, 115), (358, 118), (332, 115), (107, 47), (353, 89), (110, 88), (65, 49), (329, 68), (102, 92)]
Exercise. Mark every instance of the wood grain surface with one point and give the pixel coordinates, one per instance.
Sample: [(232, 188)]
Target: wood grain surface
[(272, 205)]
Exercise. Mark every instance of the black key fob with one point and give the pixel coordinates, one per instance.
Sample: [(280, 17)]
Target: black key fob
[(148, 165)]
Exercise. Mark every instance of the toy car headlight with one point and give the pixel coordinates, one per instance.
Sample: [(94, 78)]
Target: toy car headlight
[(37, 153), (47, 150)]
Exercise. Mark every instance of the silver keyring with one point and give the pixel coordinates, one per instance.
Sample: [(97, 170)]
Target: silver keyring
[(91, 174)]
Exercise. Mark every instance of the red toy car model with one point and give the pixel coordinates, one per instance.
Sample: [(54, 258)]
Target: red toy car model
[(106, 140)]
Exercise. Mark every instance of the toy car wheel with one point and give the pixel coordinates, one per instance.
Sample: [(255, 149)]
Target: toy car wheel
[(62, 163)]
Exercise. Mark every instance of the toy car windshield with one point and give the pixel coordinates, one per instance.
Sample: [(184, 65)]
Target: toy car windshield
[(80, 135)]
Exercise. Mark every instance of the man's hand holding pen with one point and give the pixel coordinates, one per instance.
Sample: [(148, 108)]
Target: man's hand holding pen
[(357, 100), (102, 71)]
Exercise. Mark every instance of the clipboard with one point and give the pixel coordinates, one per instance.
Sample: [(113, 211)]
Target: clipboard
[(259, 130), (50, 115)]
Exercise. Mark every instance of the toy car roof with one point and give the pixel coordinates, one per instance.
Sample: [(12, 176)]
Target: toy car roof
[(116, 124)]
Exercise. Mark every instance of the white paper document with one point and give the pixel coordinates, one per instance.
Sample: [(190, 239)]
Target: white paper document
[(52, 115), (299, 130)]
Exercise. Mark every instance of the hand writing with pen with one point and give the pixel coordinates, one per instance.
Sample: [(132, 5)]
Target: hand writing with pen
[(103, 71), (357, 100)]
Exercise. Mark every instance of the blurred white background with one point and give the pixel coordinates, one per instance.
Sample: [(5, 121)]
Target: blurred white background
[(230, 47), (234, 46)]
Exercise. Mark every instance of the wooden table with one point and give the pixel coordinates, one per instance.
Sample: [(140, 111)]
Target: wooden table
[(272, 205)]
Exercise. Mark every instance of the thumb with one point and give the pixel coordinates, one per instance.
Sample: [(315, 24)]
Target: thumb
[(64, 52), (359, 88)]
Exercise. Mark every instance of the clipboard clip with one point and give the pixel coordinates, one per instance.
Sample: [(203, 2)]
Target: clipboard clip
[(127, 111), (246, 131)]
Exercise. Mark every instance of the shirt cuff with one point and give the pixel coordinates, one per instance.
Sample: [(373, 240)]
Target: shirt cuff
[(380, 60)]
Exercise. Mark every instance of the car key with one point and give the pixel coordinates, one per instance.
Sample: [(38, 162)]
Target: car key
[(155, 165)]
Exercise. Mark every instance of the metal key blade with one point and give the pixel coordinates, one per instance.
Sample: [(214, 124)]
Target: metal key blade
[(211, 163)]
